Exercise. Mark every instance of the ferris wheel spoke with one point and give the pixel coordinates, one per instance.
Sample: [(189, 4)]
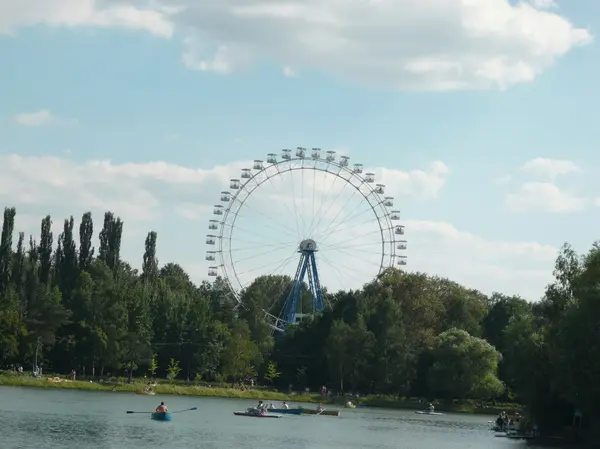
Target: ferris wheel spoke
[(284, 204), (324, 195), (343, 229), (262, 245), (338, 227), (256, 255), (361, 256), (247, 231), (348, 279), (332, 203), (356, 215), (361, 245), (270, 219), (341, 209), (262, 267), (294, 199), (336, 271), (377, 231)]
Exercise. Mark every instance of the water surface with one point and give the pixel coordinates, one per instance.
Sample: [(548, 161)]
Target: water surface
[(32, 418)]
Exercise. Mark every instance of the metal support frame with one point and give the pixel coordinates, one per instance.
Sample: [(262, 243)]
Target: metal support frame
[(307, 266)]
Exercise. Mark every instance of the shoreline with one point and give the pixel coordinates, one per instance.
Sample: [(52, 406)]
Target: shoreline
[(467, 407)]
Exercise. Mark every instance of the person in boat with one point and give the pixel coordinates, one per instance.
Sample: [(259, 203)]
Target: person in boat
[(349, 404), (284, 405), (271, 407), (430, 408), (320, 408), (162, 408)]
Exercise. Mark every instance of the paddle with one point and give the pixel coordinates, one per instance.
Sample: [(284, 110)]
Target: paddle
[(186, 410), (178, 411), (320, 412)]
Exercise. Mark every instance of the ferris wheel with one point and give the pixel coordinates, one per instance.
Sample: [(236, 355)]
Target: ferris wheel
[(309, 215)]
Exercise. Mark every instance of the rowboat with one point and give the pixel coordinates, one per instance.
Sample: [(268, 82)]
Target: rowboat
[(308, 411), (161, 416), (256, 415), (286, 411), (427, 412)]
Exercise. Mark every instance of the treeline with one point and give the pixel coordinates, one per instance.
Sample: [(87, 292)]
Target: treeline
[(404, 334)]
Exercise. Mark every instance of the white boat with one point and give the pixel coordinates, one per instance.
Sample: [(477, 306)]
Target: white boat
[(427, 412), (257, 415)]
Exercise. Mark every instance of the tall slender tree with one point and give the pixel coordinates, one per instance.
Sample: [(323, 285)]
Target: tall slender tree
[(150, 263), (8, 226), (86, 233), (45, 250)]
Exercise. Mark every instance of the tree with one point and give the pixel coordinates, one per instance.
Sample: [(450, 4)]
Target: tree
[(240, 355), (465, 366), (153, 366), (86, 233), (45, 251), (271, 373), (173, 369), (150, 264), (8, 225)]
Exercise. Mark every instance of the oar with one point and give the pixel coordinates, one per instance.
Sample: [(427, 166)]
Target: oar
[(320, 412), (186, 410), (178, 411)]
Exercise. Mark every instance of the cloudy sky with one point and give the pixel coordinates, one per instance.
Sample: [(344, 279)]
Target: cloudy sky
[(476, 115)]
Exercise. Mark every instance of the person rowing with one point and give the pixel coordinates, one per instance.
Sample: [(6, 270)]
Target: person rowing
[(430, 408), (162, 408), (320, 408), (285, 406)]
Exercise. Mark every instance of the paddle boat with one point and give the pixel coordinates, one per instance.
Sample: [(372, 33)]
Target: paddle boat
[(428, 412), (308, 411), (161, 416), (286, 411), (254, 413)]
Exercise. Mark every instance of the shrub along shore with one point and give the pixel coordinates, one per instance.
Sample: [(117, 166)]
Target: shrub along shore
[(190, 389)]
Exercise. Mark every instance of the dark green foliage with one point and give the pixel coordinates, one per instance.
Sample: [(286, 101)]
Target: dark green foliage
[(402, 334)]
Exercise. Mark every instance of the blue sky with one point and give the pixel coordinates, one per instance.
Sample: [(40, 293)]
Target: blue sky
[(210, 87)]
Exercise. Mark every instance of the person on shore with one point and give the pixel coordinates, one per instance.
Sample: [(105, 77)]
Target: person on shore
[(162, 408)]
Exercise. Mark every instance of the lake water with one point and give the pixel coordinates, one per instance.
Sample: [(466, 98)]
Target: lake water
[(32, 418)]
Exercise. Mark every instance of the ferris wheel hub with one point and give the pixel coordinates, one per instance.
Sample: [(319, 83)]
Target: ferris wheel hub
[(307, 246)]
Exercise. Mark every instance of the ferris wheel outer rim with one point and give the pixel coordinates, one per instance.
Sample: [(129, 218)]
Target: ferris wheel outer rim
[(389, 226)]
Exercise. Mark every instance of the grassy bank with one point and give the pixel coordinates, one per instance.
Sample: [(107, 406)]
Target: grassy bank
[(187, 389), (178, 388)]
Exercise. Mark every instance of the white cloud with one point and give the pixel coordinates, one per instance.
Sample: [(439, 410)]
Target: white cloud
[(288, 72), (544, 197), (549, 169), (38, 118), (502, 180), (543, 4), (193, 211), (15, 14), (178, 201), (445, 44), (523, 268)]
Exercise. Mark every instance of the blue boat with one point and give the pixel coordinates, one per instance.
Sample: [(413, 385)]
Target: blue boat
[(162, 416), (286, 411)]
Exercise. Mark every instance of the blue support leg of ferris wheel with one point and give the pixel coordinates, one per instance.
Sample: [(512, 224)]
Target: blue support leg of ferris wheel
[(319, 292), (292, 301)]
